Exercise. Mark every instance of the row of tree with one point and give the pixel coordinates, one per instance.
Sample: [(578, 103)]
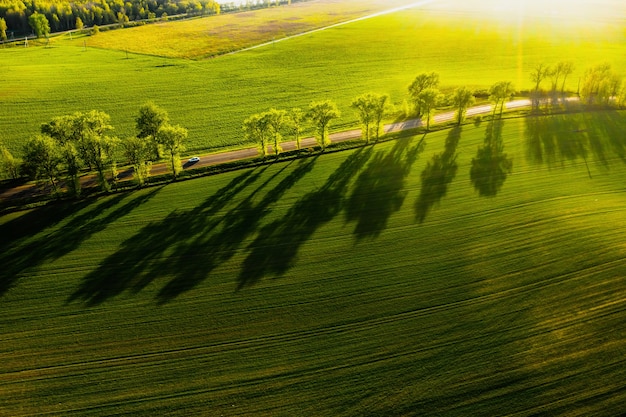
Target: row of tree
[(600, 85), (263, 128), (557, 74), (68, 144), (371, 109)]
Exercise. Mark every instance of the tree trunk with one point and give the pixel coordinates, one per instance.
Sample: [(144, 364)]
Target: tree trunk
[(173, 167)]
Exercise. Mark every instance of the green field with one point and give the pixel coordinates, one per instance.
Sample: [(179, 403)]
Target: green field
[(211, 36), (385, 280), (211, 98)]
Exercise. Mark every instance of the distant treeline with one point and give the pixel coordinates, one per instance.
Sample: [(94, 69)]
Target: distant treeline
[(69, 15)]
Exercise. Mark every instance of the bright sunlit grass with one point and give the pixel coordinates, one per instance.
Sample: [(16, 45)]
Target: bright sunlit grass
[(206, 37), (556, 11)]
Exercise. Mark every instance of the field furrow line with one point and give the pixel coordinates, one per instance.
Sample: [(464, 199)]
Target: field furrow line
[(276, 339)]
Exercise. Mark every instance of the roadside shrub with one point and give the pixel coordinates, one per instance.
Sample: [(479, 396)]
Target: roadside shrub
[(481, 94)]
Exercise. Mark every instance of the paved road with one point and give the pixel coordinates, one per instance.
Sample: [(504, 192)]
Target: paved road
[(247, 153)]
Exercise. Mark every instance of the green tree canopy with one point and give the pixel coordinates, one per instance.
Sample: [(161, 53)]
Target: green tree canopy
[(257, 129), (295, 123), (381, 107), (427, 100), (172, 139), (70, 158), (499, 93), (599, 84), (3, 29), (64, 128), (39, 23), (42, 159), (462, 98), (79, 138), (370, 108), (137, 152), (99, 151), (9, 165), (276, 121), (422, 81), (321, 113), (148, 122), (364, 106)]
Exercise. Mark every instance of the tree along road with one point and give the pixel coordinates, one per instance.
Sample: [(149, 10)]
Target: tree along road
[(89, 180)]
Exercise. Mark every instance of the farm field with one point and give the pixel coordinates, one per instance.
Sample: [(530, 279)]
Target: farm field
[(211, 98), (414, 277), (215, 35)]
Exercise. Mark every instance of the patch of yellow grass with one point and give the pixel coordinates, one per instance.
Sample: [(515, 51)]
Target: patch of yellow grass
[(214, 35)]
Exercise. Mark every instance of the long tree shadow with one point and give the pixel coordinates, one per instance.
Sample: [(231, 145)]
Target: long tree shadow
[(238, 225), (491, 165), (379, 190), (438, 174), (556, 139), (606, 130), (17, 253), (187, 245), (553, 140), (276, 247), (23, 255), (542, 141), (140, 259), (18, 230)]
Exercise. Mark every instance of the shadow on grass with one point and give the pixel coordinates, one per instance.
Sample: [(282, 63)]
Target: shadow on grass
[(605, 135), (438, 174), (238, 225), (491, 165), (187, 246), (145, 256), (379, 191), (553, 140), (276, 247), (611, 126), (21, 254)]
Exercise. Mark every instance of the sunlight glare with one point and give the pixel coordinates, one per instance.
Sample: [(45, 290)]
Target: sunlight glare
[(559, 10)]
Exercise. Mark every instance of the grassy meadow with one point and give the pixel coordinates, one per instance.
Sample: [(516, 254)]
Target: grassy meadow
[(419, 276), (473, 271), (212, 97), (211, 36)]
